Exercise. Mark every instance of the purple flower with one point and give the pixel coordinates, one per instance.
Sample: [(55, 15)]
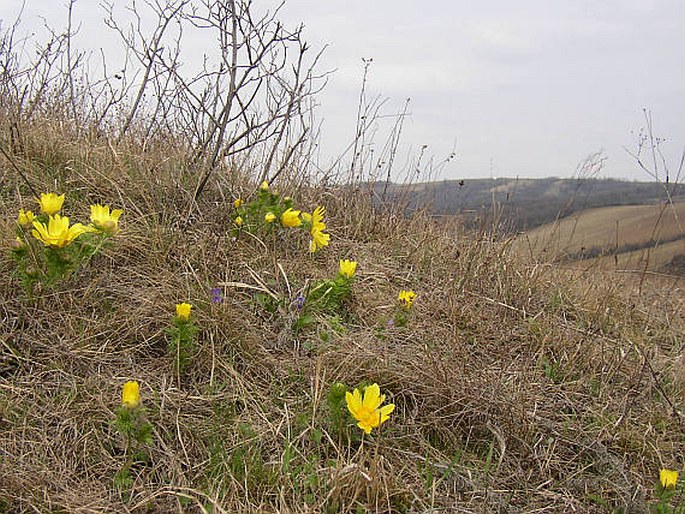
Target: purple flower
[(299, 302), (215, 292), (390, 323)]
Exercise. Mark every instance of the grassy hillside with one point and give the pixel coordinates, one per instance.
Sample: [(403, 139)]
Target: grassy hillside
[(198, 346), (516, 385)]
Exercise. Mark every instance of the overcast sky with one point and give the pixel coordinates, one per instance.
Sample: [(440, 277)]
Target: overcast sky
[(518, 88)]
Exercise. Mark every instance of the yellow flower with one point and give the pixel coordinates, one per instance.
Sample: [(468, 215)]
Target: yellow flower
[(291, 218), (319, 240), (58, 233), (25, 217), (264, 186), (238, 221), (366, 409), (183, 311), (348, 268), (406, 298), (269, 217), (306, 217), (50, 203), (317, 219), (105, 220), (238, 203), (130, 395), (668, 478)]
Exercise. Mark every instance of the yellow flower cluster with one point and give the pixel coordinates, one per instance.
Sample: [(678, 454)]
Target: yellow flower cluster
[(54, 230), (271, 206)]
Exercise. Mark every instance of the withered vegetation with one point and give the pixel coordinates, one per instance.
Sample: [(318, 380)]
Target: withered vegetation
[(519, 385)]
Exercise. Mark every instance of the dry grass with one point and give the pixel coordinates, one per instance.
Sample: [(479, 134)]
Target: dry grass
[(520, 386)]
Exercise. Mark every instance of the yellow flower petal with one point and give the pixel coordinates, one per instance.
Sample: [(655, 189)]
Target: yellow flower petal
[(317, 218), (372, 397), (386, 410)]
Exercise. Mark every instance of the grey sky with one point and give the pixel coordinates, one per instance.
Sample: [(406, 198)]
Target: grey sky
[(525, 88)]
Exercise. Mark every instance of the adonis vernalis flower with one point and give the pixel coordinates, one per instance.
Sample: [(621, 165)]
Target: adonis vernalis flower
[(319, 240), (238, 221), (183, 311), (50, 203), (668, 478), (406, 298), (25, 217), (238, 203), (291, 218), (367, 409), (317, 218), (264, 186), (105, 220), (347, 268), (58, 233), (269, 217), (319, 237), (130, 395)]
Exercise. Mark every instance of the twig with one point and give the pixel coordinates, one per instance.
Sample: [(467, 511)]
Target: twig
[(21, 174)]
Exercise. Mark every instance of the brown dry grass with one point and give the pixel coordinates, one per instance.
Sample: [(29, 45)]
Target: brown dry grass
[(520, 386)]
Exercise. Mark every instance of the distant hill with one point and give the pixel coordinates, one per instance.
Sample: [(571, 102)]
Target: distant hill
[(647, 236), (522, 203)]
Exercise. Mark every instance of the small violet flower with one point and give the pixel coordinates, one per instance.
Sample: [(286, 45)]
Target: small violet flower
[(299, 302), (215, 293)]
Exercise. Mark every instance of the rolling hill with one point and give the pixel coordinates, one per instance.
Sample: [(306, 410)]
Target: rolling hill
[(625, 237), (520, 204)]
